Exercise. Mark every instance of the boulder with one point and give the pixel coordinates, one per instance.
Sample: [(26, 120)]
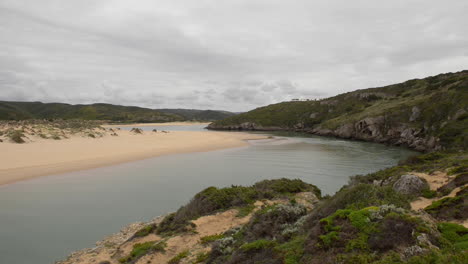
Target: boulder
[(410, 184), (415, 113), (345, 131)]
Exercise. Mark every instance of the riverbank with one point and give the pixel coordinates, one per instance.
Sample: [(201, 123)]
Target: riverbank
[(40, 157), (188, 123)]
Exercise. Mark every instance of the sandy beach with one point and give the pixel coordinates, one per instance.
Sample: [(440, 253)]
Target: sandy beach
[(45, 157), (158, 124)]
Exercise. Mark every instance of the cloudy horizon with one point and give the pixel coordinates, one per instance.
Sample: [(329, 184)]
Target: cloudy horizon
[(227, 55)]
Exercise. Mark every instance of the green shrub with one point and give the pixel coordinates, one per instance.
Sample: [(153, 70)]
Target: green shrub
[(293, 250), (201, 257), (16, 136), (145, 231), (245, 210), (450, 208), (212, 238), (258, 245), (141, 249), (428, 193), (214, 199), (456, 234), (179, 257)]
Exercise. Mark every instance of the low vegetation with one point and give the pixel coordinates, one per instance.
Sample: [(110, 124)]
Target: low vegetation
[(16, 136), (213, 200), (179, 257), (142, 249)]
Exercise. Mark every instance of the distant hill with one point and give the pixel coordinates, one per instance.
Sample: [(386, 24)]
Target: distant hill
[(201, 115), (424, 114), (116, 113)]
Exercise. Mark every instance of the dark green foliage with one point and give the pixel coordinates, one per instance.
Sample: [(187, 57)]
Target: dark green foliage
[(201, 257), (179, 257), (286, 186), (145, 231), (456, 234), (270, 222), (245, 210), (358, 197), (213, 199), (450, 208), (209, 239), (117, 113), (394, 231), (141, 249), (258, 245), (428, 193), (459, 180)]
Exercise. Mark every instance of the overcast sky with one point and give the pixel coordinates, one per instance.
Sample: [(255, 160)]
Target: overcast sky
[(233, 55)]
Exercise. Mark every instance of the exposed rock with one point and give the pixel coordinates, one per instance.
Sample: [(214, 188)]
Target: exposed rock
[(459, 113), (410, 184), (369, 127), (415, 113), (299, 125), (413, 251), (313, 115), (345, 131)]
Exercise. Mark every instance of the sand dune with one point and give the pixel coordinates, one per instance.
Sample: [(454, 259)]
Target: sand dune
[(44, 157)]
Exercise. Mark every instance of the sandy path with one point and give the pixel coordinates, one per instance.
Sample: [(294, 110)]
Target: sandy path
[(422, 202), (435, 180), (45, 157)]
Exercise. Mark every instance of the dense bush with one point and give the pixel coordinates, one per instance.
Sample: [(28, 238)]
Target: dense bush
[(141, 249), (450, 208), (213, 199)]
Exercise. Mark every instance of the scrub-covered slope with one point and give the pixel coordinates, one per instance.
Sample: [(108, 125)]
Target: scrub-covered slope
[(424, 114), (371, 220)]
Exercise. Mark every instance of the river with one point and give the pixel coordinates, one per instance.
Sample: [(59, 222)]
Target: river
[(45, 219)]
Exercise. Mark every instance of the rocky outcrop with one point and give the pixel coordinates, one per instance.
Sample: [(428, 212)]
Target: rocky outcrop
[(250, 126), (374, 129), (410, 185), (377, 129)]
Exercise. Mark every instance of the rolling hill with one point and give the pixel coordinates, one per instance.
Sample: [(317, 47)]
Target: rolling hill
[(115, 113), (423, 114)]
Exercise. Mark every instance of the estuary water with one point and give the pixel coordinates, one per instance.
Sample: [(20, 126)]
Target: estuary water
[(45, 219)]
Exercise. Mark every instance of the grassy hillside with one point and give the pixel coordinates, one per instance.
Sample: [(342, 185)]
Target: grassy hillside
[(38, 110), (433, 110), (199, 115)]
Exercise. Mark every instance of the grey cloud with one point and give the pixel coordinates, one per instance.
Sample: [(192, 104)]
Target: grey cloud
[(226, 55)]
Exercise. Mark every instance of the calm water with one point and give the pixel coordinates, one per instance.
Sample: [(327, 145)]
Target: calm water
[(43, 220)]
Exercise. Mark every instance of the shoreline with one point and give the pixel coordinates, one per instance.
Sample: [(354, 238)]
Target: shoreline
[(156, 124), (22, 162)]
